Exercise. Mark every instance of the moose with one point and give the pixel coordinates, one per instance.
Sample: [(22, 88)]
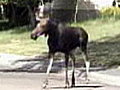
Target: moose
[(64, 39)]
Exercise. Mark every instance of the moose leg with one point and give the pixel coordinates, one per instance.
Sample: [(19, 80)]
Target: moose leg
[(87, 63), (48, 70), (66, 70), (73, 70)]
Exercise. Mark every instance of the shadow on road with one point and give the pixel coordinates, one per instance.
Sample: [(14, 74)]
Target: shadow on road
[(79, 86)]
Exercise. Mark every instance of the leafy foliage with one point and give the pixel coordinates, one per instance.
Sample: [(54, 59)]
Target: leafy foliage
[(21, 2), (111, 11), (24, 2), (3, 1)]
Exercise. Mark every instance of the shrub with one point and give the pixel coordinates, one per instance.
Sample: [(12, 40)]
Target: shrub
[(110, 12)]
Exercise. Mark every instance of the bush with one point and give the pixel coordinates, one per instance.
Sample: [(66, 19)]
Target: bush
[(110, 12)]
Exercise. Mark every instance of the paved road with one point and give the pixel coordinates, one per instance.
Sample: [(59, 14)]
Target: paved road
[(34, 81)]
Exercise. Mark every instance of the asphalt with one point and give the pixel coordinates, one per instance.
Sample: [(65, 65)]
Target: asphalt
[(13, 63), (34, 81), (109, 76)]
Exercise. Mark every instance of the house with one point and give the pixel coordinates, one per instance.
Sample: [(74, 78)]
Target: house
[(95, 4), (91, 8)]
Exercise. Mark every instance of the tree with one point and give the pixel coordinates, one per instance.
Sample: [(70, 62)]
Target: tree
[(20, 12), (76, 12), (64, 9)]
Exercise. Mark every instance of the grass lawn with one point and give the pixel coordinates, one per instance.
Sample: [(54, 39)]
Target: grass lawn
[(17, 41), (104, 41), (103, 47)]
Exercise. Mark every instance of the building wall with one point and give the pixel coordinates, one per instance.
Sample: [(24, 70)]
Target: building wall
[(88, 9), (94, 4), (102, 3)]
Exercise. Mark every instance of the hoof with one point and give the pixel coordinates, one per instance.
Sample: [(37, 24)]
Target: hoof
[(87, 81), (67, 85), (73, 85), (45, 84)]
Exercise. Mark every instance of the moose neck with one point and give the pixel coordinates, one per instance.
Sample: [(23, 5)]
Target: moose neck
[(54, 32)]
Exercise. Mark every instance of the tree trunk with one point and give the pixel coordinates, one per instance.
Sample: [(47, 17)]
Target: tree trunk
[(31, 16), (76, 12), (12, 19), (64, 10)]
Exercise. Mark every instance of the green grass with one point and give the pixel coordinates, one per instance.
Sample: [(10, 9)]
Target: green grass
[(104, 41), (100, 28), (103, 47), (17, 41)]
